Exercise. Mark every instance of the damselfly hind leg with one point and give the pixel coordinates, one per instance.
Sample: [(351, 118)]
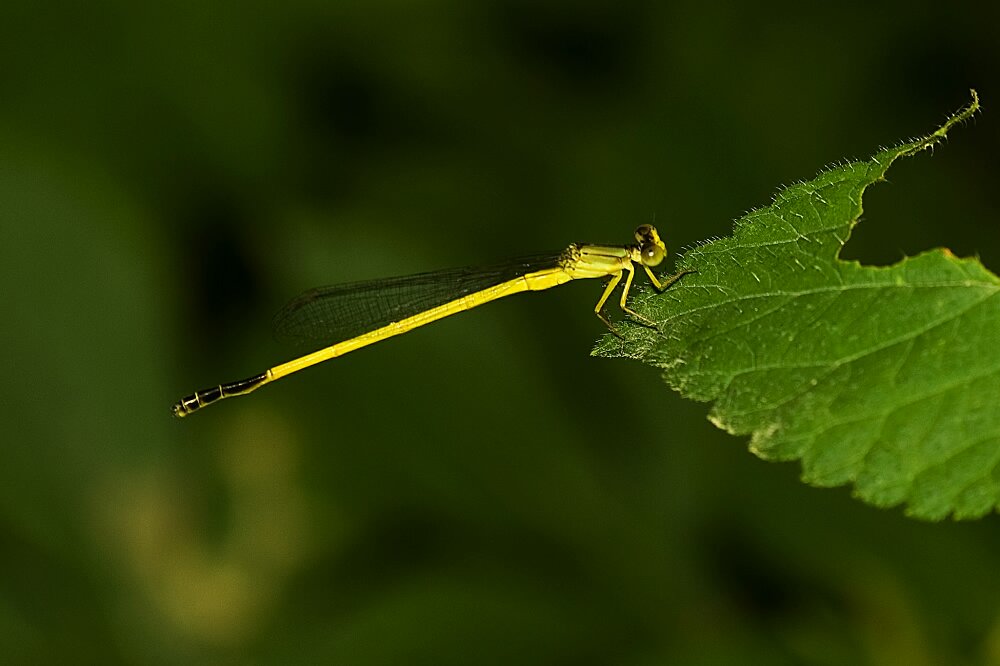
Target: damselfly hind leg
[(611, 327), (599, 308)]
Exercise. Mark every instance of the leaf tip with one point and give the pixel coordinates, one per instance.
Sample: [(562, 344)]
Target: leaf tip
[(941, 133)]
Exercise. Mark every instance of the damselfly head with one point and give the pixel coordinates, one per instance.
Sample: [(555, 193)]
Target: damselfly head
[(651, 249)]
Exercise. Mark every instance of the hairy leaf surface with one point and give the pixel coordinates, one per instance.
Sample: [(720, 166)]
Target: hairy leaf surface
[(884, 377)]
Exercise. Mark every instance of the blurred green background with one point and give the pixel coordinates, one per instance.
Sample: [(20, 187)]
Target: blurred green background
[(480, 491)]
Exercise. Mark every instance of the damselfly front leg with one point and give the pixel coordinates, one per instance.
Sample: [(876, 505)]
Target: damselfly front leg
[(663, 286)]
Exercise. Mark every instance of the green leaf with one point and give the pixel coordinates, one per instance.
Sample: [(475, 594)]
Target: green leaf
[(884, 377)]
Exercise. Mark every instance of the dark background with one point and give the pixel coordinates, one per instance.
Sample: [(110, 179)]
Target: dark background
[(480, 491)]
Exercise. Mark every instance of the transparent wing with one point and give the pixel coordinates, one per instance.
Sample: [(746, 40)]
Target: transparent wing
[(328, 315)]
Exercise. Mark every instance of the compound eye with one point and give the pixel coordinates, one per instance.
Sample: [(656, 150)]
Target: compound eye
[(644, 233), (652, 255)]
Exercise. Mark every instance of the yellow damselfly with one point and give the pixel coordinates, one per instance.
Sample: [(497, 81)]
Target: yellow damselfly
[(351, 316)]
